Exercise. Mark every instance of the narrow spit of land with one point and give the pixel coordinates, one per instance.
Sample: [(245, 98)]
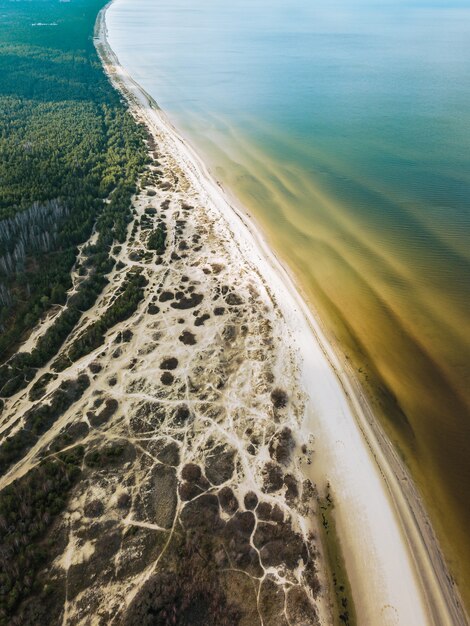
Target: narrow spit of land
[(155, 466), (170, 463), (397, 571), (182, 423)]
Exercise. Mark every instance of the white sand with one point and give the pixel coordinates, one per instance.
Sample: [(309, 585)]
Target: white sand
[(394, 563), (396, 570)]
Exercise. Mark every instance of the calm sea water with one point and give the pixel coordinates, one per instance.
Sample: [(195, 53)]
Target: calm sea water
[(345, 128)]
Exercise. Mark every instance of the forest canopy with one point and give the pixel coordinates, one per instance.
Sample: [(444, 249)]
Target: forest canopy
[(67, 143)]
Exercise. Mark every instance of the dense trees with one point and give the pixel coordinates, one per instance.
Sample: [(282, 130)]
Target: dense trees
[(157, 239), (38, 419), (122, 308), (70, 157), (67, 144), (28, 508)]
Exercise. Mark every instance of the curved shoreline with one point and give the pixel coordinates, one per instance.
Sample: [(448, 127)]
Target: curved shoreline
[(384, 530)]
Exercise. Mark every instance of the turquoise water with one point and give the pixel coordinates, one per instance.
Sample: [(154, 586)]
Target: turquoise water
[(345, 128)]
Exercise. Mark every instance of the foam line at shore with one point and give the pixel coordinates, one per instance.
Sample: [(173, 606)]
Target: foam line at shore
[(396, 569)]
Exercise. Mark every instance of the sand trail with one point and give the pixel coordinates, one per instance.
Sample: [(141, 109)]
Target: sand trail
[(397, 569), (193, 409), (212, 420)]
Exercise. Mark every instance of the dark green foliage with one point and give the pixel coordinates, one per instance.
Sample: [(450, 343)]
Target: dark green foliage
[(122, 308), (14, 447), (28, 508), (157, 239), (70, 156), (66, 143), (37, 390), (104, 456), (22, 367)]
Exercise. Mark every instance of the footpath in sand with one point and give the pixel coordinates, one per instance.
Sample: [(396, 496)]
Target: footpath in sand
[(210, 421), (192, 483), (192, 505), (397, 571)]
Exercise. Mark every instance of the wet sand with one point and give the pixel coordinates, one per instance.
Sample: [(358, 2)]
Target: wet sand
[(351, 150), (396, 569)]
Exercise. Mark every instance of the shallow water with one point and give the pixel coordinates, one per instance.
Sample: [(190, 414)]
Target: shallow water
[(345, 128)]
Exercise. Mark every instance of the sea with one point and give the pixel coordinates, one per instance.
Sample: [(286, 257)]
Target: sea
[(343, 126)]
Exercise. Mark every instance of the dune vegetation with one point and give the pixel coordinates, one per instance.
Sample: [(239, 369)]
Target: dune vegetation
[(70, 155)]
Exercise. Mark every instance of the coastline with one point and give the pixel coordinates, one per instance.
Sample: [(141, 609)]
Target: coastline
[(378, 511)]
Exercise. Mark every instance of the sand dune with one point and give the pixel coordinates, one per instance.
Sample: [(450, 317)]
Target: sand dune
[(217, 425), (394, 563)]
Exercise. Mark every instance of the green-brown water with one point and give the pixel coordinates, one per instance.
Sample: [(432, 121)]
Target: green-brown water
[(345, 128)]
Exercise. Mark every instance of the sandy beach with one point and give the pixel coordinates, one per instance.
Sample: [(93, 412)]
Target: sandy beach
[(226, 442), (395, 567)]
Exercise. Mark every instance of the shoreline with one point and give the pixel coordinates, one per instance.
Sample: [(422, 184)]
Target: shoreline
[(371, 516)]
